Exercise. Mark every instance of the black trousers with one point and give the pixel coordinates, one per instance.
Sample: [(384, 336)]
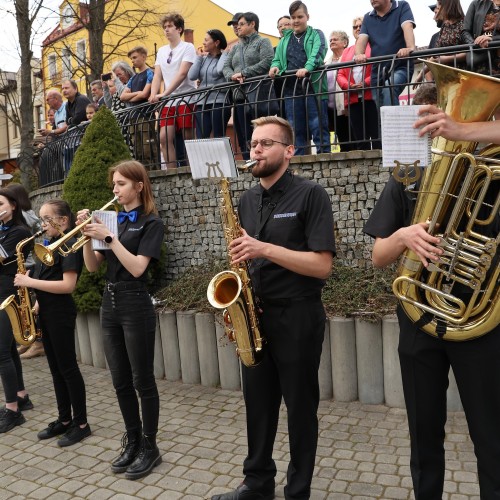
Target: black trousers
[(128, 325), (294, 335), (57, 320), (11, 371), (364, 125), (425, 363)]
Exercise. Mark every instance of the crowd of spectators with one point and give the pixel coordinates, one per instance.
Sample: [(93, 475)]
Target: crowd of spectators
[(338, 105)]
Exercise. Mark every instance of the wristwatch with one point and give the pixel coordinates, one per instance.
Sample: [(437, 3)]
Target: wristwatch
[(109, 238)]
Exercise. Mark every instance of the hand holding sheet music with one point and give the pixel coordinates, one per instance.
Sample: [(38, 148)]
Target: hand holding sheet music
[(400, 141), (110, 219)]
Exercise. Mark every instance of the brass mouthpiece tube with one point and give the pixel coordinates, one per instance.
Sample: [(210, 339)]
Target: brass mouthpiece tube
[(248, 165)]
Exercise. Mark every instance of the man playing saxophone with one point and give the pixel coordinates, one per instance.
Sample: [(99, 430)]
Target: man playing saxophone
[(12, 231), (288, 241), (425, 359)]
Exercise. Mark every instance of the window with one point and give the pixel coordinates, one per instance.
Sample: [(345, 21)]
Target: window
[(67, 16), (81, 53), (52, 66), (40, 122), (66, 64)]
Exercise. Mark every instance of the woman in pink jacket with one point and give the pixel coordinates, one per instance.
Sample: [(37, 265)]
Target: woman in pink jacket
[(359, 103)]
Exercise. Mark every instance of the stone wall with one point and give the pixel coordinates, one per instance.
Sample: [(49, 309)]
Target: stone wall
[(190, 209)]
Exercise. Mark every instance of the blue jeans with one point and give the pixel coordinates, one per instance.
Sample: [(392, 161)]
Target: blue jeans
[(128, 325), (308, 116), (388, 95)]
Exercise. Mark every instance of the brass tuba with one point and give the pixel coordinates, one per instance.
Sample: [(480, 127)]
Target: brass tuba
[(457, 297), (231, 291), (46, 253), (21, 315)]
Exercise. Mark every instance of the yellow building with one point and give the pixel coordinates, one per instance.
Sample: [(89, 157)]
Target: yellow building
[(65, 51)]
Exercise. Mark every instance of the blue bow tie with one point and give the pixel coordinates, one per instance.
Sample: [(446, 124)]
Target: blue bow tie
[(123, 216), (4, 228)]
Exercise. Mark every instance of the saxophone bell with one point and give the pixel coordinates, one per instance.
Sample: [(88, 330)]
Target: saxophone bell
[(21, 314)]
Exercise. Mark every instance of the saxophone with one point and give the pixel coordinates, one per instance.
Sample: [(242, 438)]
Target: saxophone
[(231, 291), (21, 315), (455, 188)]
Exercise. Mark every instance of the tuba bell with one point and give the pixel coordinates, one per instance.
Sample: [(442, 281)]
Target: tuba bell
[(457, 297)]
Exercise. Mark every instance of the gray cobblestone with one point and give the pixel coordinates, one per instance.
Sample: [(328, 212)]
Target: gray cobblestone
[(363, 452)]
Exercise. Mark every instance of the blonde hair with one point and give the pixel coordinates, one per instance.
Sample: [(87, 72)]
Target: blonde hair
[(286, 128)]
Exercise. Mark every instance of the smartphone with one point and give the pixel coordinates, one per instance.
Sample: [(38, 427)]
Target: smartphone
[(106, 76)]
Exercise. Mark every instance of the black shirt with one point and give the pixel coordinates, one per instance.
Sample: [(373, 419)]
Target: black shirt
[(72, 262), (76, 111), (10, 236), (142, 237), (302, 220)]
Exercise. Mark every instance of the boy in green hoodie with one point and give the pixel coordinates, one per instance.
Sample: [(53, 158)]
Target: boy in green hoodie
[(303, 50)]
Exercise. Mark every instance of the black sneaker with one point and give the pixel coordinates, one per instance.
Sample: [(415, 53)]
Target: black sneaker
[(24, 403), (9, 419), (54, 429), (74, 435)]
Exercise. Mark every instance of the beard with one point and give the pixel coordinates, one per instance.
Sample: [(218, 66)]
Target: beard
[(266, 170)]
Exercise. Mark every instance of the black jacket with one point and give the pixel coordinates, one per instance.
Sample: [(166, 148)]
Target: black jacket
[(474, 21)]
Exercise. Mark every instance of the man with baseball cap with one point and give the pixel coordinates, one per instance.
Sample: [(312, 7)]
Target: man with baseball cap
[(234, 22)]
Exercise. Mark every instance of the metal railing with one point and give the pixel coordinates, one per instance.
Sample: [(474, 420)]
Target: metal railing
[(306, 103)]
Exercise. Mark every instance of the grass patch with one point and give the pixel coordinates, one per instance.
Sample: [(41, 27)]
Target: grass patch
[(348, 291)]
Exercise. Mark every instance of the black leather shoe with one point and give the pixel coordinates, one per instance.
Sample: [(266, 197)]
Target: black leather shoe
[(54, 429), (24, 403), (243, 492), (74, 435), (147, 458), (131, 444)]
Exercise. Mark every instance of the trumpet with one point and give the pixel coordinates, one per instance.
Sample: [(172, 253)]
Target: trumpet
[(46, 253)]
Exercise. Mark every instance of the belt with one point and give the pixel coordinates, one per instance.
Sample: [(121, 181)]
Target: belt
[(286, 302), (121, 286)]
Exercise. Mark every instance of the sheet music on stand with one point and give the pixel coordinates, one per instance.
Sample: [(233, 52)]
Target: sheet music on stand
[(110, 219), (401, 143), (211, 158)]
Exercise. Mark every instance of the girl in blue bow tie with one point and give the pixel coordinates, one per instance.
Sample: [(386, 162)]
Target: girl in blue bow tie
[(128, 319), (57, 312)]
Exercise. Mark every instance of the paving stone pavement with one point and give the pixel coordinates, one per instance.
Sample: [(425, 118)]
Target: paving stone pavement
[(363, 450)]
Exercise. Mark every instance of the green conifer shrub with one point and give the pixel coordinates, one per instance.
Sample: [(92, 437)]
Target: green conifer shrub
[(87, 187)]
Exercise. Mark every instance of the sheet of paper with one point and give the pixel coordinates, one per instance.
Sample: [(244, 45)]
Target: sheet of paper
[(209, 158), (110, 220), (400, 141)]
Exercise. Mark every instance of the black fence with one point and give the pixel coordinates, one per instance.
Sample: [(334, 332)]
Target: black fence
[(326, 109)]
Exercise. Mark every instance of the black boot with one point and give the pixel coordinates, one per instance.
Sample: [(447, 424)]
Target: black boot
[(147, 458), (131, 444)]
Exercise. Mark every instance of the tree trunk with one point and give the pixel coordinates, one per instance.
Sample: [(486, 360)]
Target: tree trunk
[(26, 108), (95, 29)]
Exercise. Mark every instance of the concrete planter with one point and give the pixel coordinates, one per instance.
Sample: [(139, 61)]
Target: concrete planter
[(95, 336), (359, 358), (82, 330)]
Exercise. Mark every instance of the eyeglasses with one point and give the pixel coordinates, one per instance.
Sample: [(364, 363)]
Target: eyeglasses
[(357, 27), (169, 59), (266, 143), (241, 24), (50, 220)]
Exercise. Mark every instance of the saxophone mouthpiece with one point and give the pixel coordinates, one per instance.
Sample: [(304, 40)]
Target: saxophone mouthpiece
[(248, 165)]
